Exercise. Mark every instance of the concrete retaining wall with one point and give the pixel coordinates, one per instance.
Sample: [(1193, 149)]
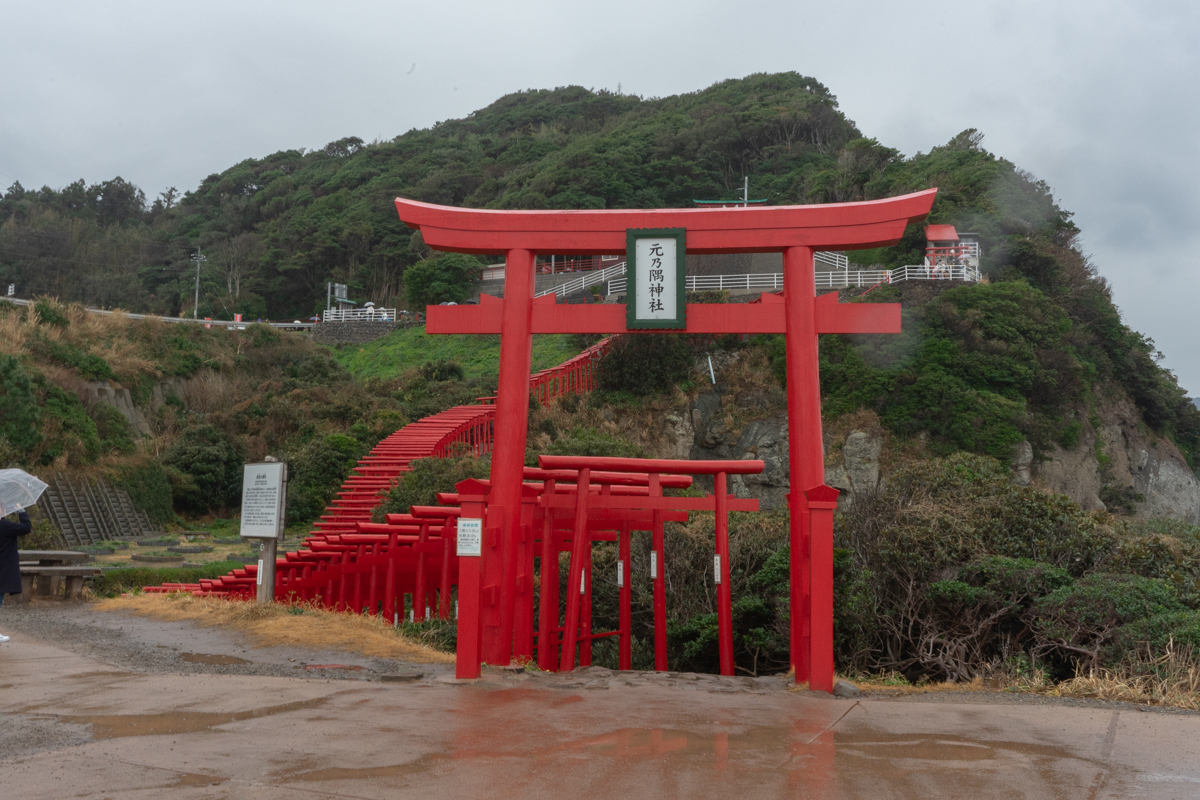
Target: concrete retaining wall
[(358, 332)]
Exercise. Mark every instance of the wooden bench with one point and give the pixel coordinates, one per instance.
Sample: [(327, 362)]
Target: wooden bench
[(44, 573)]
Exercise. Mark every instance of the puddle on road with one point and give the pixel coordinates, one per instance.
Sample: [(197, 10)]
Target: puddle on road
[(115, 726), (421, 764), (944, 747), (211, 658), (197, 779)]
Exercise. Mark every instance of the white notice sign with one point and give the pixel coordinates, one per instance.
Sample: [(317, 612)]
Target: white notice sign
[(470, 537), (263, 487), (656, 276)]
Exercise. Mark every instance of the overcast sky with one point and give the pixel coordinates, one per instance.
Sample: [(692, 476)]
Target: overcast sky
[(1096, 97)]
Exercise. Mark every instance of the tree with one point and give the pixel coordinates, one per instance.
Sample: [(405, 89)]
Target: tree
[(208, 469), (448, 279), (238, 259)]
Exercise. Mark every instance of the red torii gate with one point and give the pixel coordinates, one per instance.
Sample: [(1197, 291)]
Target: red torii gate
[(794, 231)]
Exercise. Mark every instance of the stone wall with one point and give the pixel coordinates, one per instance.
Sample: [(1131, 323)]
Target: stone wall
[(356, 332)]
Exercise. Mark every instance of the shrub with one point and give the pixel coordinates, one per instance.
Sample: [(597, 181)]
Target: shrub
[(210, 463), (442, 371), (114, 582), (20, 417), (1180, 627), (644, 365), (113, 429), (1075, 622), (591, 442), (428, 476), (317, 472), (67, 427), (149, 489)]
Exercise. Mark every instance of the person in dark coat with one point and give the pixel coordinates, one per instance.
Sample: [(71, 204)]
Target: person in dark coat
[(10, 560)]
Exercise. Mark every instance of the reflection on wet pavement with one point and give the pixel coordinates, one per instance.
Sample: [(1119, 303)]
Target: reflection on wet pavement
[(115, 726)]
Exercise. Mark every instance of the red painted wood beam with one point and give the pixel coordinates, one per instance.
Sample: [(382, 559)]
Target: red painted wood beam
[(767, 317), (833, 226), (647, 465)]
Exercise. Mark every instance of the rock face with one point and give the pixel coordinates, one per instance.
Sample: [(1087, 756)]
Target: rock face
[(856, 466), (1120, 453), (93, 392), (115, 395)]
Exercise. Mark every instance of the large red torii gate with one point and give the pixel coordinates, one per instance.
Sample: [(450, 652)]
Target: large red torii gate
[(794, 231)]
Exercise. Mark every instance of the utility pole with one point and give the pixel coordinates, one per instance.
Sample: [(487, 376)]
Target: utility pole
[(199, 259), (745, 191)]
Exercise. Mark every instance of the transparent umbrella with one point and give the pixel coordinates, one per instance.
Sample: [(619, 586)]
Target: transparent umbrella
[(18, 489)]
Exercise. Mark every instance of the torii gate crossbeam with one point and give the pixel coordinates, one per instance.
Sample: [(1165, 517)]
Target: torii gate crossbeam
[(794, 231)]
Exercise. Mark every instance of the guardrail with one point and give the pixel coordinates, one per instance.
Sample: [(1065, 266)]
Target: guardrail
[(208, 323)]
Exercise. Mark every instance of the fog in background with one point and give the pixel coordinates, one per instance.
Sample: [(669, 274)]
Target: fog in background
[(1097, 98)]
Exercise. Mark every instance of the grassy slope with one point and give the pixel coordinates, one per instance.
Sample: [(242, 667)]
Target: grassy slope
[(398, 352)]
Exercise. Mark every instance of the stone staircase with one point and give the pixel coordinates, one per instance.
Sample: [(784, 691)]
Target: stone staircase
[(87, 511)]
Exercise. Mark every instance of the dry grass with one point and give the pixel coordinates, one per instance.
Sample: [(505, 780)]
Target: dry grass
[(282, 625), (894, 685), (1169, 679)]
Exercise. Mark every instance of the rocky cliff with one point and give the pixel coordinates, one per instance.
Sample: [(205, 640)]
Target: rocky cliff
[(743, 416)]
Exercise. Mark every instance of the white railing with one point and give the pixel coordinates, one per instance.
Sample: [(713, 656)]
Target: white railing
[(835, 260), (586, 280), (942, 273), (824, 280), (699, 283), (864, 277), (360, 315)]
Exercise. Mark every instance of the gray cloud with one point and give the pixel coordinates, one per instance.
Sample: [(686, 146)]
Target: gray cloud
[(1094, 97)]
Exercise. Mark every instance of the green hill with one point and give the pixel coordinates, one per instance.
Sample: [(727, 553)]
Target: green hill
[(479, 356)]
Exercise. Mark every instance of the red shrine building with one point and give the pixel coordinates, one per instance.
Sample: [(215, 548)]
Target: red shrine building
[(944, 246)]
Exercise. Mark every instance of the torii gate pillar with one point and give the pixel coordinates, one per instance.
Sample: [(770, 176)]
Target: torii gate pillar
[(794, 231)]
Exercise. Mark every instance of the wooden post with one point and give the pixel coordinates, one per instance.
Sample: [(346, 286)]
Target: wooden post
[(548, 600), (658, 575), (470, 628), (822, 502), (625, 652), (266, 570), (721, 576), (578, 552)]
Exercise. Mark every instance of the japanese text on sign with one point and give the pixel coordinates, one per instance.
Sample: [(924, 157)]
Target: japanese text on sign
[(262, 499), (470, 537), (656, 278)]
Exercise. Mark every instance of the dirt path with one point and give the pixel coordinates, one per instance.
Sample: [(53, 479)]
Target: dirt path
[(109, 705)]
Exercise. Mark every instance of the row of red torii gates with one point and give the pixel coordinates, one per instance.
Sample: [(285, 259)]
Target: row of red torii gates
[(520, 236)]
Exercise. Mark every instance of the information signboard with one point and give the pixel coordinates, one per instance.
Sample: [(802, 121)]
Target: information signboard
[(657, 275), (470, 537), (264, 487)]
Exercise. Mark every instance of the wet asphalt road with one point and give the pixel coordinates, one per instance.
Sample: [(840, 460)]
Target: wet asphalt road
[(99, 705)]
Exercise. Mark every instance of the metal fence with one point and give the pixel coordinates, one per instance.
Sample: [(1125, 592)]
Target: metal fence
[(835, 279), (360, 315)]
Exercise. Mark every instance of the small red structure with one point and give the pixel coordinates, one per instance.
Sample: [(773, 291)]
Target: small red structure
[(945, 247), (796, 232)]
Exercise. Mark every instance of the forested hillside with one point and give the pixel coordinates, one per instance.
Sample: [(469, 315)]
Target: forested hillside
[(1019, 359), (276, 229)]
